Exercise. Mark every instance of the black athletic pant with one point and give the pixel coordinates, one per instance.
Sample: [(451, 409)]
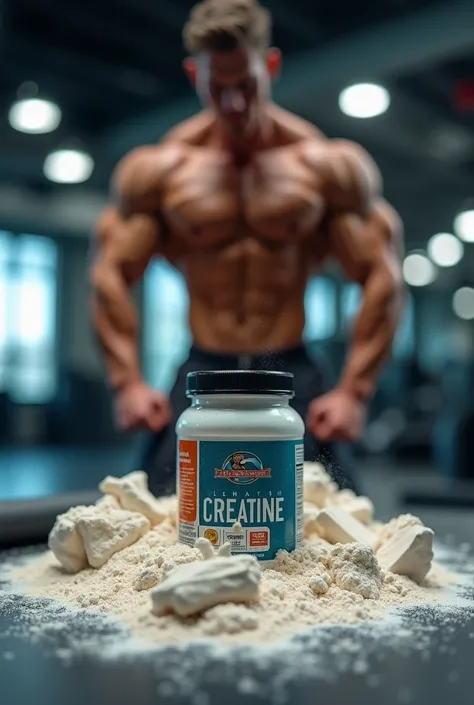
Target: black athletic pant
[(159, 457)]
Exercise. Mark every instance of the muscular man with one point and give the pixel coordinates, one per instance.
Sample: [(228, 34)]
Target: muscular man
[(247, 201)]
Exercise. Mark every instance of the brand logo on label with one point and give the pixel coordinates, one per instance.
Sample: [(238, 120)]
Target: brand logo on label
[(242, 468)]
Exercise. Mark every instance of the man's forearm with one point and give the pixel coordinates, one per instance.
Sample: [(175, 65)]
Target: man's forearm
[(116, 324), (374, 331)]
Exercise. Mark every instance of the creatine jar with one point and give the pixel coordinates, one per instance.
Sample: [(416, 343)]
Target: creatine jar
[(240, 462)]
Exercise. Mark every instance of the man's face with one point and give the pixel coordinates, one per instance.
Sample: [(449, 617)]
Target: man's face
[(235, 85)]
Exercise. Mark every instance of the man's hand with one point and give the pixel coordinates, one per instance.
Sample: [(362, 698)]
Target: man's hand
[(137, 406), (337, 416)]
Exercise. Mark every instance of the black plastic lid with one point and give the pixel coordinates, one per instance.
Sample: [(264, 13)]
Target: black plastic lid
[(239, 382)]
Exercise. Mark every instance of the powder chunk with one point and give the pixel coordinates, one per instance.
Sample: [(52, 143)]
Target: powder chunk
[(133, 497), (318, 485), (355, 569), (319, 586), (169, 507), (208, 551), (337, 526), (343, 497), (206, 548), (408, 552), (229, 619), (310, 519), (386, 531), (108, 502), (194, 587), (66, 542), (139, 479), (148, 578), (361, 508), (106, 534)]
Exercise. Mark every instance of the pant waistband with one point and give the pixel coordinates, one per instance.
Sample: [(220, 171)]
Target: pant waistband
[(269, 360)]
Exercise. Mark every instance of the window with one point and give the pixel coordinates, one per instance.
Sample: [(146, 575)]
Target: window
[(350, 304), (4, 249), (404, 345), (320, 309), (28, 274), (166, 334)]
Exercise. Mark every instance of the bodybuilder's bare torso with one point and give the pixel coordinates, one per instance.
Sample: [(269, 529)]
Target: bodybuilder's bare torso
[(246, 231), (245, 236)]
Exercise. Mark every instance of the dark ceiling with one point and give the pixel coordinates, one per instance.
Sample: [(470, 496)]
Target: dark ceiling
[(114, 67), (106, 60)]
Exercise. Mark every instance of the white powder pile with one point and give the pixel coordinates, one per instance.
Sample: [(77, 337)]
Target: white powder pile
[(193, 671), (323, 610), (314, 585), (319, 584)]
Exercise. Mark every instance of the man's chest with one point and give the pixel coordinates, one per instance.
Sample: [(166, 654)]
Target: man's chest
[(275, 197)]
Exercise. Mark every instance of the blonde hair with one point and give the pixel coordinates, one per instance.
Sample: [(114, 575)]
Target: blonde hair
[(226, 25)]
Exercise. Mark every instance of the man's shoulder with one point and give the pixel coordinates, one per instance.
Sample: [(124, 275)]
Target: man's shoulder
[(348, 170), (337, 151), (356, 179), (146, 167), (351, 153), (151, 164)]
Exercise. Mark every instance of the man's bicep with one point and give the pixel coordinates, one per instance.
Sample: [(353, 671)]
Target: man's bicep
[(126, 243), (362, 243), (353, 179)]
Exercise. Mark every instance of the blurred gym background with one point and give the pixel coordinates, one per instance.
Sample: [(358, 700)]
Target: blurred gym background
[(83, 82)]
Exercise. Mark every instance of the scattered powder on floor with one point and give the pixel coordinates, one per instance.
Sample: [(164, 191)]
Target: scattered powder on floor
[(319, 584), (194, 672), (347, 634), (322, 610)]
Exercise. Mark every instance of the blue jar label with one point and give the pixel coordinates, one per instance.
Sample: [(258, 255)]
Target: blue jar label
[(247, 494)]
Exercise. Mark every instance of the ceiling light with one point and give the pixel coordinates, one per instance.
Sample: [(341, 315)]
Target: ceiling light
[(463, 303), (68, 166), (464, 225), (418, 270), (445, 249), (364, 100), (34, 116)]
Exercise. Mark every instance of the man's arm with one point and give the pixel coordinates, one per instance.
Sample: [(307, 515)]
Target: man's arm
[(127, 237), (366, 238), (124, 245)]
